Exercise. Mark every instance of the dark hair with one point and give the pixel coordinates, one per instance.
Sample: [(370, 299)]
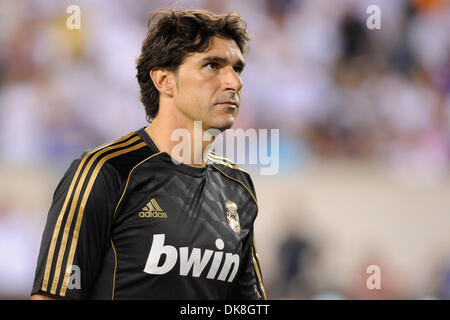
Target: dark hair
[(172, 34)]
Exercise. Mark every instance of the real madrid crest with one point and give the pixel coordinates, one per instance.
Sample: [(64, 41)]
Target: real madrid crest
[(232, 216)]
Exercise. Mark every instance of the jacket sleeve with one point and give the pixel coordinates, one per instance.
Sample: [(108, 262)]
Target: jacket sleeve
[(249, 284), (77, 230)]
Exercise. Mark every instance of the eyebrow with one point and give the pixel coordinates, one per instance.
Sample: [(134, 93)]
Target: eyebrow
[(240, 63)]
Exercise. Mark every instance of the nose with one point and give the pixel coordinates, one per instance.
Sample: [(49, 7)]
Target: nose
[(232, 80)]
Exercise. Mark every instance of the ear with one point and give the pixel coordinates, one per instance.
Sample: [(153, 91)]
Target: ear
[(163, 80)]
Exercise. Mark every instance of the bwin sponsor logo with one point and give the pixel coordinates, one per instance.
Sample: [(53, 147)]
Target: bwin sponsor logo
[(195, 261)]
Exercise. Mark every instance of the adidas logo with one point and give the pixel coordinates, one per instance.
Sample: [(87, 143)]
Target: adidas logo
[(152, 210)]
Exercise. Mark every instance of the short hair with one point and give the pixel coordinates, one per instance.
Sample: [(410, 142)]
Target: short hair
[(172, 34)]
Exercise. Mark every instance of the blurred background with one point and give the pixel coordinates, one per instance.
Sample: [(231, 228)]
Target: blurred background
[(364, 119)]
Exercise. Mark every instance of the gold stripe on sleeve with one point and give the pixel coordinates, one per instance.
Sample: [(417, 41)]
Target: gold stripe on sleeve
[(115, 269), (57, 227), (83, 205), (257, 269), (73, 206)]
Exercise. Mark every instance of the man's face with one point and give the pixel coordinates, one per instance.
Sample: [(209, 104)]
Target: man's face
[(209, 85)]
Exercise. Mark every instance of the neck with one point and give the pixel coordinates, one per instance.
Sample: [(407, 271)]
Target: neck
[(184, 142)]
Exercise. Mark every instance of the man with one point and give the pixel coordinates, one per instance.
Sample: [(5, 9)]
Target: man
[(135, 220)]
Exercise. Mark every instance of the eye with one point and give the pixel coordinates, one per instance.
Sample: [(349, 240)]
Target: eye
[(212, 65), (238, 70)]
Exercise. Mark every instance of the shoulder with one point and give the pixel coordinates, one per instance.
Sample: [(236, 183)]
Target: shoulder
[(117, 157), (230, 170), (102, 171)]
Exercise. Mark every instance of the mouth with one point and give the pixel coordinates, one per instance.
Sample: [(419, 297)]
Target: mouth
[(229, 104)]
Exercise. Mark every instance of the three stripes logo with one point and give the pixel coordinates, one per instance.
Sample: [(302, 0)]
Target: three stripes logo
[(152, 210)]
